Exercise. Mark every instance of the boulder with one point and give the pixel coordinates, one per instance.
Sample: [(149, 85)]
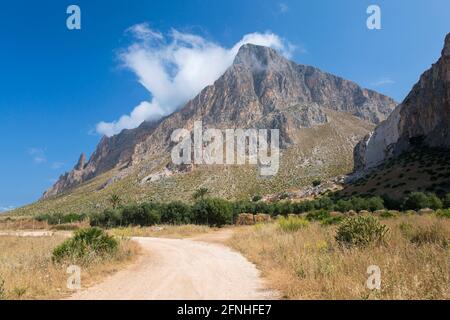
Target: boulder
[(245, 219), (262, 218), (426, 211)]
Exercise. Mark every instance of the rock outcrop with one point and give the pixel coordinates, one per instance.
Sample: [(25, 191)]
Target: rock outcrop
[(261, 89), (423, 117)]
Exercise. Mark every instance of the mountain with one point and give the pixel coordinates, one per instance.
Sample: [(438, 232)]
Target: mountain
[(261, 89), (320, 117), (422, 118), (410, 151)]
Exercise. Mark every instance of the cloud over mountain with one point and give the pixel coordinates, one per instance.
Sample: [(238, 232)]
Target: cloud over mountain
[(174, 67)]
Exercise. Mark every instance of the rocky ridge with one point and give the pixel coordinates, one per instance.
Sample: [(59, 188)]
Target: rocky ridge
[(261, 89)]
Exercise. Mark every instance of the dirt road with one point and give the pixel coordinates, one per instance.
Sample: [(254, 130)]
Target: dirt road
[(182, 269)]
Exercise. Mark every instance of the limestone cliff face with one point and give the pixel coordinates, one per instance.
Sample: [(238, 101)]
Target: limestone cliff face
[(424, 115), (262, 89)]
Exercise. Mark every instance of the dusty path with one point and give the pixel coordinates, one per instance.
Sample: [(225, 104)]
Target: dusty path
[(182, 269)]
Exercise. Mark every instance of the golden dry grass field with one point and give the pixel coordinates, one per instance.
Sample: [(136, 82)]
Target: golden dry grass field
[(27, 270), (166, 231), (309, 263)]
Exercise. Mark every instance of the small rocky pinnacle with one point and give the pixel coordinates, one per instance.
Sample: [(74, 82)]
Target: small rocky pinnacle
[(81, 162), (446, 50)]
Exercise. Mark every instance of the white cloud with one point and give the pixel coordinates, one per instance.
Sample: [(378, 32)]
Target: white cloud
[(382, 82), (38, 155), (175, 67), (283, 7)]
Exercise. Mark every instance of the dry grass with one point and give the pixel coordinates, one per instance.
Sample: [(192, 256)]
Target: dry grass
[(20, 223), (309, 264), (166, 231), (27, 271)]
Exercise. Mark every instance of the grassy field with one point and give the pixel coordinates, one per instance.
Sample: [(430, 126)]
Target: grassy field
[(27, 270), (166, 231), (308, 263)]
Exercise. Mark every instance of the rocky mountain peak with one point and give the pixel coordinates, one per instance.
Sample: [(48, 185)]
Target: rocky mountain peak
[(262, 89), (257, 57), (81, 162)]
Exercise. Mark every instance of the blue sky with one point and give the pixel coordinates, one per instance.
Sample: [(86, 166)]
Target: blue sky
[(56, 84)]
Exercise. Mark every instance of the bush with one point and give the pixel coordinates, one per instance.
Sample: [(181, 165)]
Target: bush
[(112, 218), (387, 214), (176, 213), (152, 215), (375, 203), (361, 231), (446, 201), (316, 183), (443, 213), (391, 203), (434, 202), (420, 200), (292, 224), (416, 200), (301, 207), (213, 212), (59, 218), (86, 244), (343, 206), (256, 198), (324, 203), (133, 215)]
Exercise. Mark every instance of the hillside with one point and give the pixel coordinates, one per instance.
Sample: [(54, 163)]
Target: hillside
[(410, 151), (320, 117)]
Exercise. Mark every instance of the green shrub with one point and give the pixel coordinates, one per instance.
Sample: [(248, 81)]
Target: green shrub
[(176, 213), (59, 218), (152, 216), (317, 215), (324, 203), (416, 200), (256, 198), (86, 245), (301, 207), (406, 229), (343, 206), (316, 183), (434, 202), (213, 212), (200, 193), (391, 203), (284, 195), (282, 208), (446, 201), (443, 213), (292, 224), (361, 231), (111, 218), (375, 203), (133, 215)]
